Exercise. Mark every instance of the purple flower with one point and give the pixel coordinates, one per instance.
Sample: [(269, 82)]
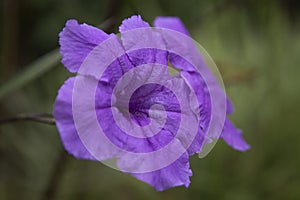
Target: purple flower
[(129, 90)]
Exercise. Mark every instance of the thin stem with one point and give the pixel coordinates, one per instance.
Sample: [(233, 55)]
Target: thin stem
[(45, 118)]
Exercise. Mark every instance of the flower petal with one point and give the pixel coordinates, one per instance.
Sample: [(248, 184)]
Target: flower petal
[(65, 123), (176, 174), (200, 89), (142, 44), (229, 107), (133, 22), (77, 41), (173, 23), (141, 100), (148, 56), (233, 137), (116, 69), (137, 34)]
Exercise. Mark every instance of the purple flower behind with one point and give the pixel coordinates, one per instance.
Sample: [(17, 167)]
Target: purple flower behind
[(78, 41)]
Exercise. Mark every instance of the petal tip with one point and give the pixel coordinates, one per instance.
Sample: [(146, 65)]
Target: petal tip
[(132, 22), (170, 22), (77, 41)]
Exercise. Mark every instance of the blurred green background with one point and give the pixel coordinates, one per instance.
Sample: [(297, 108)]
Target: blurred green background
[(256, 45)]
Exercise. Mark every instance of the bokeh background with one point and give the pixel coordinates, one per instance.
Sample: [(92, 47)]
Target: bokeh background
[(256, 45)]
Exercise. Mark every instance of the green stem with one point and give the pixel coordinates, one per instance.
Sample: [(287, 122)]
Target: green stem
[(45, 118), (37, 68)]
